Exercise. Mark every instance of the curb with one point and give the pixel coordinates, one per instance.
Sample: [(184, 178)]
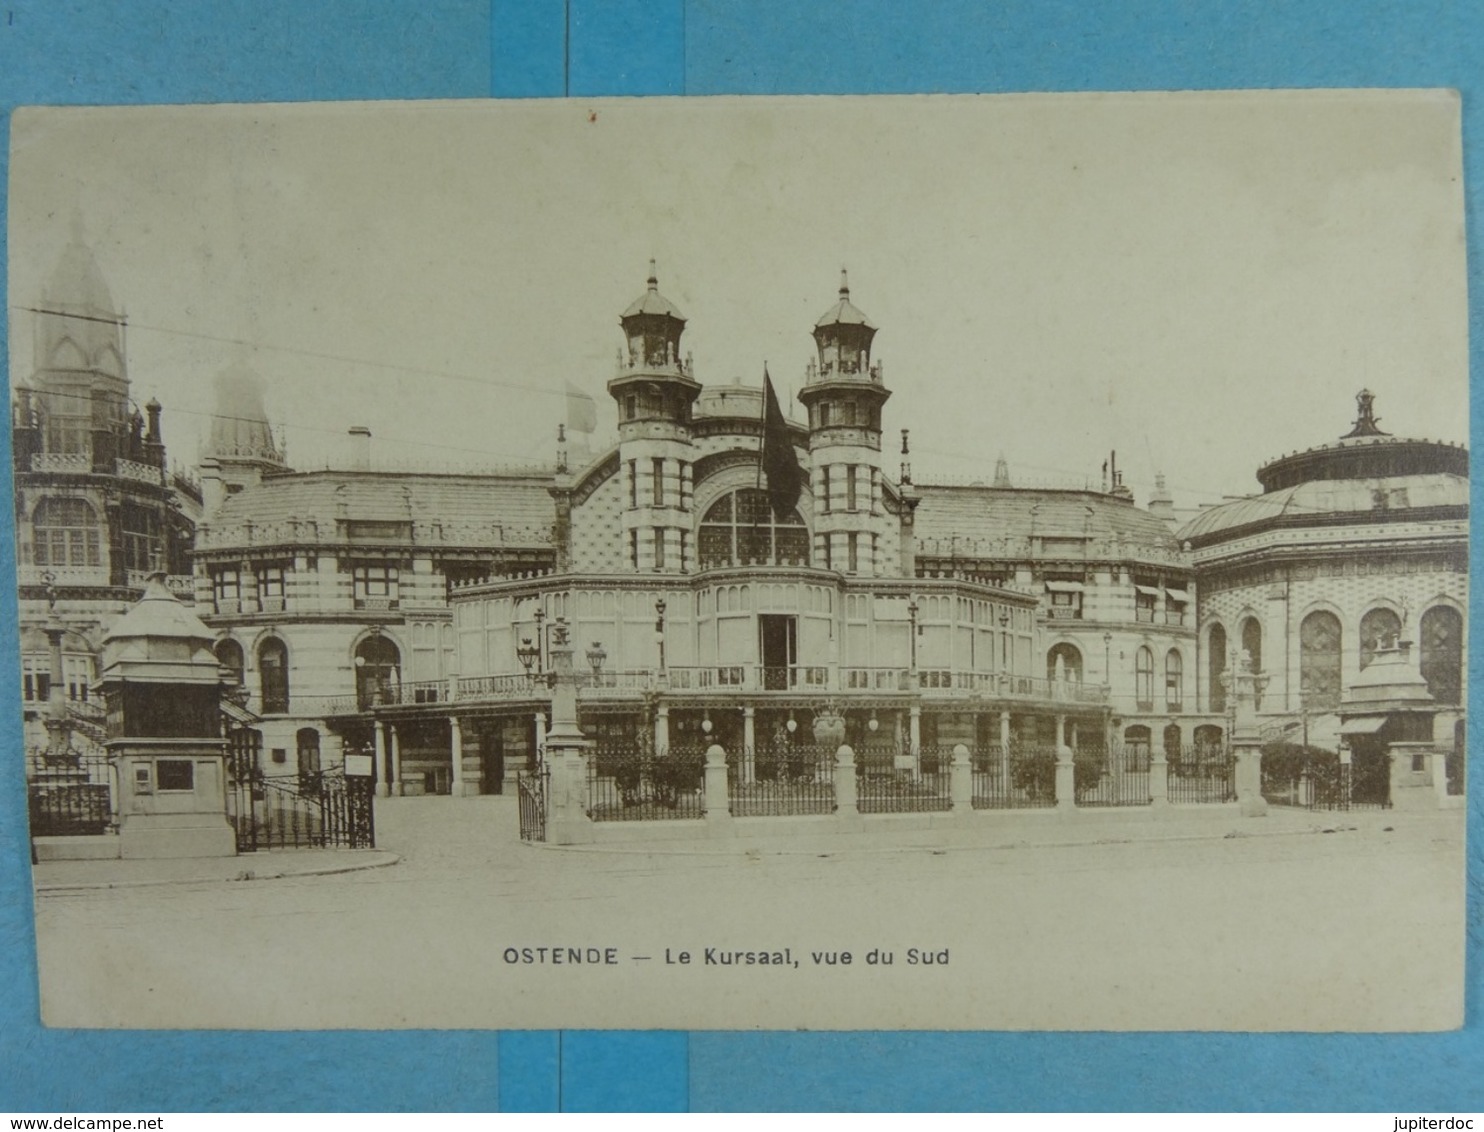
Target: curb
[(246, 875)]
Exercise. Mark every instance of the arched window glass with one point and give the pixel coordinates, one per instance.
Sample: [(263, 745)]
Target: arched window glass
[(378, 672), (1174, 681), (65, 533), (273, 672), (1064, 662), (741, 530), (1442, 653), (1172, 743), (1379, 629), (1216, 667), (1136, 741), (229, 656), (1319, 661), (1252, 646), (1144, 678)]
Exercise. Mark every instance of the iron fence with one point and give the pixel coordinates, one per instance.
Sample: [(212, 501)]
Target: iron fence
[(890, 788), (1203, 773), (782, 781), (319, 810), (1017, 778), (533, 787), (1111, 776), (69, 794), (630, 783), (1311, 779)]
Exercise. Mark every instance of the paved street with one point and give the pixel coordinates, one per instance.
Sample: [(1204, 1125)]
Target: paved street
[(1063, 923)]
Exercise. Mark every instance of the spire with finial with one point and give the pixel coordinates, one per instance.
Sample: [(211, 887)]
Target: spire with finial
[(844, 284), (906, 476), (654, 276), (1366, 421), (1002, 472)]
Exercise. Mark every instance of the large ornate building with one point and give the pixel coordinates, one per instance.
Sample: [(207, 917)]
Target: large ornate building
[(407, 614)]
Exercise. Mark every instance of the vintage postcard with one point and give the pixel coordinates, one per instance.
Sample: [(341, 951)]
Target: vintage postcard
[(827, 563)]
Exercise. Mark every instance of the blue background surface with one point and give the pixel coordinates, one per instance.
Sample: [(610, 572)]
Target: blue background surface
[(275, 50)]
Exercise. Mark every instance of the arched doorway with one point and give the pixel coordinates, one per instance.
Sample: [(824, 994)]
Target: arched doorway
[(378, 671), (1136, 740)]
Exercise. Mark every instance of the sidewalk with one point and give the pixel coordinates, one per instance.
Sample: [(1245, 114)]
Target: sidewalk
[(72, 876)]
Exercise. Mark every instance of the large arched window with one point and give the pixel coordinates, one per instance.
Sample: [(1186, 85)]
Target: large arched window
[(273, 672), (1319, 661), (1064, 662), (378, 672), (1442, 653), (65, 533), (741, 530), (1379, 629), (1216, 669), (1144, 678), (1136, 740), (1174, 681), (229, 656)]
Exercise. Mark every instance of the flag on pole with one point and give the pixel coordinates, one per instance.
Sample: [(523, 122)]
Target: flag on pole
[(582, 411), (780, 464)]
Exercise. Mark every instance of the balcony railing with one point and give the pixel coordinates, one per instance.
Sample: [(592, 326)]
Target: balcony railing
[(931, 684), (1144, 615), (376, 603), (1174, 617), (1064, 612)]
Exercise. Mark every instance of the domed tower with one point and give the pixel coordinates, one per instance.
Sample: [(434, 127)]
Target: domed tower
[(241, 449), (82, 389), (844, 394), (655, 391)]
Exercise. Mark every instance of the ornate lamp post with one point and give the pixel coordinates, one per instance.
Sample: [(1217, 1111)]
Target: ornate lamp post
[(540, 617), (527, 652), (912, 634), (659, 630), (596, 655), (56, 704)]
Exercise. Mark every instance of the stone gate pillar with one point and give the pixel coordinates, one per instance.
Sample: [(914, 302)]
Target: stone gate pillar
[(566, 749)]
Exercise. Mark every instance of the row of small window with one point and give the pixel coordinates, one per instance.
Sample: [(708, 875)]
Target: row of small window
[(36, 682), (1064, 662), (846, 413), (372, 581)]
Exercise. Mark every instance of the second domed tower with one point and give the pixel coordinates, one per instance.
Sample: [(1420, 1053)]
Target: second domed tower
[(844, 394), (655, 390)]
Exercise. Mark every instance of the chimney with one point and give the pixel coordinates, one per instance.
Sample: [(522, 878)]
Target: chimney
[(360, 448)]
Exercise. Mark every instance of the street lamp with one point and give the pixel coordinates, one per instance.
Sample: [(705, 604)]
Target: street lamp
[(912, 631), (527, 653), (595, 657), (1108, 658), (659, 629), (539, 616)]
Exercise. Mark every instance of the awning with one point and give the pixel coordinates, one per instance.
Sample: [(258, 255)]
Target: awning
[(1363, 725), (1148, 591), (238, 714), (1178, 595), (1065, 587)]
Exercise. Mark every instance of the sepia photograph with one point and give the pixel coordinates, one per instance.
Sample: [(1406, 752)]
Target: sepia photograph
[(828, 563)]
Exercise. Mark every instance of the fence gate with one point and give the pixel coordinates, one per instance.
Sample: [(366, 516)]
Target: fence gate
[(319, 810), (531, 785)]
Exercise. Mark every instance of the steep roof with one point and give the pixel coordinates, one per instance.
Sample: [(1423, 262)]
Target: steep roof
[(449, 510), (1000, 522)]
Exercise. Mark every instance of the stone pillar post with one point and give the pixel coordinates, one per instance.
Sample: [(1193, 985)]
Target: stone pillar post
[(394, 743), (1005, 729), (961, 780), (456, 755), (1066, 781), (1246, 743), (748, 761), (540, 741), (383, 764), (718, 805), (662, 729), (845, 792), (1159, 776), (1408, 791), (56, 692), (1437, 762), (914, 739), (566, 749)]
